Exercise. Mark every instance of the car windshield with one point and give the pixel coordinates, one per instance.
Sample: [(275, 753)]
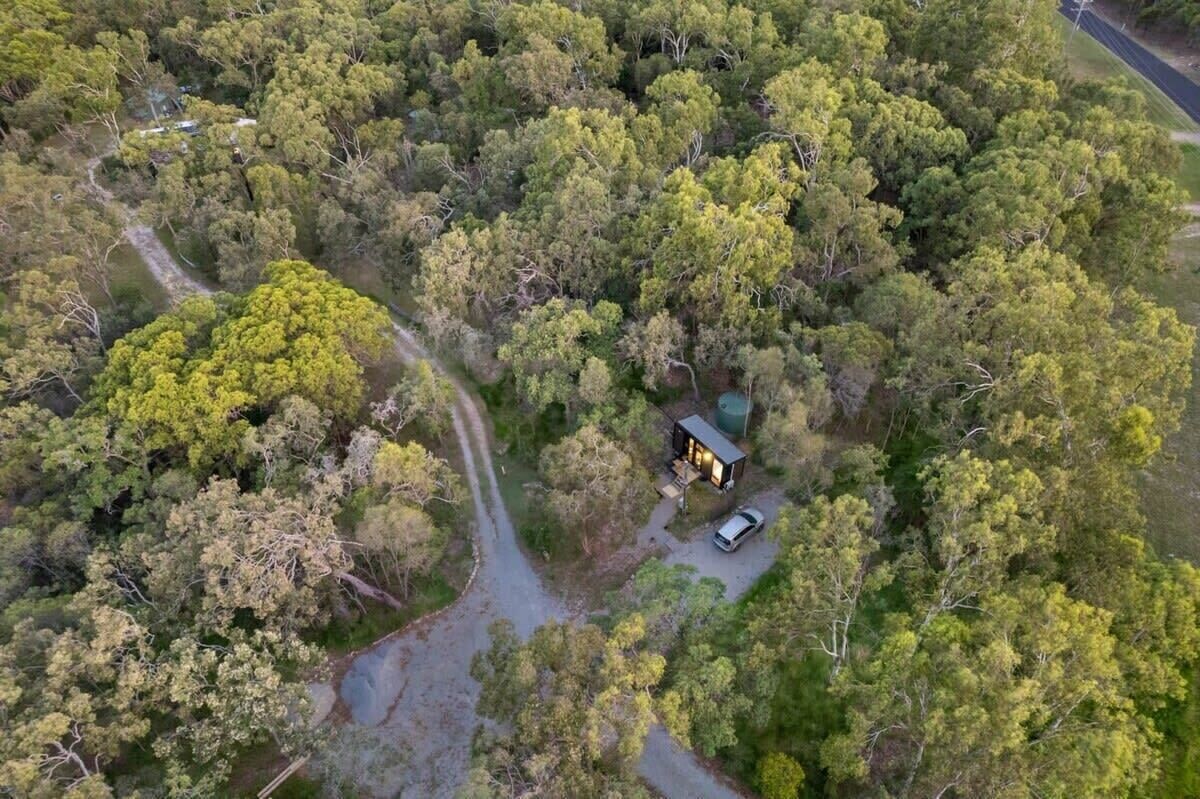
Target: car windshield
[(750, 519)]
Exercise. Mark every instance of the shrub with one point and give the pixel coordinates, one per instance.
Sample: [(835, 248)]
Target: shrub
[(779, 776)]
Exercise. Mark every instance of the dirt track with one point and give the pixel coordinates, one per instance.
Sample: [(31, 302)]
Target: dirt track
[(176, 282), (417, 684)]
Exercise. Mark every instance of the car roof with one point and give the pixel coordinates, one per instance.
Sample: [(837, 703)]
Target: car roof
[(734, 525)]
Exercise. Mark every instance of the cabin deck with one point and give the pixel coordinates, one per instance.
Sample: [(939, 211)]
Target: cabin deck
[(684, 475)]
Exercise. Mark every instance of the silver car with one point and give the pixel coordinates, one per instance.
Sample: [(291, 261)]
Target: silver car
[(744, 523)]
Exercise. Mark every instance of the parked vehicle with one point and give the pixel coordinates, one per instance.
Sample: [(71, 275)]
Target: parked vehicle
[(744, 523)]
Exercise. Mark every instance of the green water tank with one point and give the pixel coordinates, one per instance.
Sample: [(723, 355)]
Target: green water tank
[(733, 409)]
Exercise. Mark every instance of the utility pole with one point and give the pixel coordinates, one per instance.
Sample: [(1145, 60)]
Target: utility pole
[(1080, 6), (1079, 9)]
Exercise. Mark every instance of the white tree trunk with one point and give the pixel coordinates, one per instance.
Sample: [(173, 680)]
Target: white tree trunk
[(368, 590)]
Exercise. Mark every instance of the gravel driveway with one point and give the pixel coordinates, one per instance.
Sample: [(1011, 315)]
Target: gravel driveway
[(417, 685), (738, 570), (677, 773), (671, 770), (175, 281)]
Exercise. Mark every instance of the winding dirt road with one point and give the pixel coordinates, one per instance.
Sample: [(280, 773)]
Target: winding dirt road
[(417, 684), (176, 282)]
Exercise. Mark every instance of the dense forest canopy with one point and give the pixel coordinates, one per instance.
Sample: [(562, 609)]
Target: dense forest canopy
[(901, 228)]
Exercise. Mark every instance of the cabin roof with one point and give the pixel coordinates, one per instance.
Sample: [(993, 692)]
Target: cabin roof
[(712, 438)]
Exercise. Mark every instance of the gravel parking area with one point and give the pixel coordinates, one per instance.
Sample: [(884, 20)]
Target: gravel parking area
[(738, 570)]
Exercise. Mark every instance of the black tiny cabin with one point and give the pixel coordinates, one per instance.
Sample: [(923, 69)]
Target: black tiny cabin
[(703, 446)]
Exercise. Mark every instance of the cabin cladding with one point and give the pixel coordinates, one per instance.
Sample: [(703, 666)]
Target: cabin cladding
[(719, 460)]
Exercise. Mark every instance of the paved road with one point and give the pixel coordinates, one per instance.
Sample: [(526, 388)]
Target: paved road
[(1173, 84)]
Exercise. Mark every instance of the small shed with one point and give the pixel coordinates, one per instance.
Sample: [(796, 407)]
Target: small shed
[(698, 443)]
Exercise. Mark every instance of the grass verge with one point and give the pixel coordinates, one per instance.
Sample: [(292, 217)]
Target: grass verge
[(200, 266), (366, 278), (1171, 486), (130, 274), (1087, 59), (1189, 170), (341, 636), (704, 505)]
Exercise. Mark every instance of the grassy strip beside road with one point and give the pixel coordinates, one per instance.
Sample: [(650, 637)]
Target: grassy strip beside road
[(1189, 170), (1088, 59), (1171, 486), (348, 635), (131, 274)]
